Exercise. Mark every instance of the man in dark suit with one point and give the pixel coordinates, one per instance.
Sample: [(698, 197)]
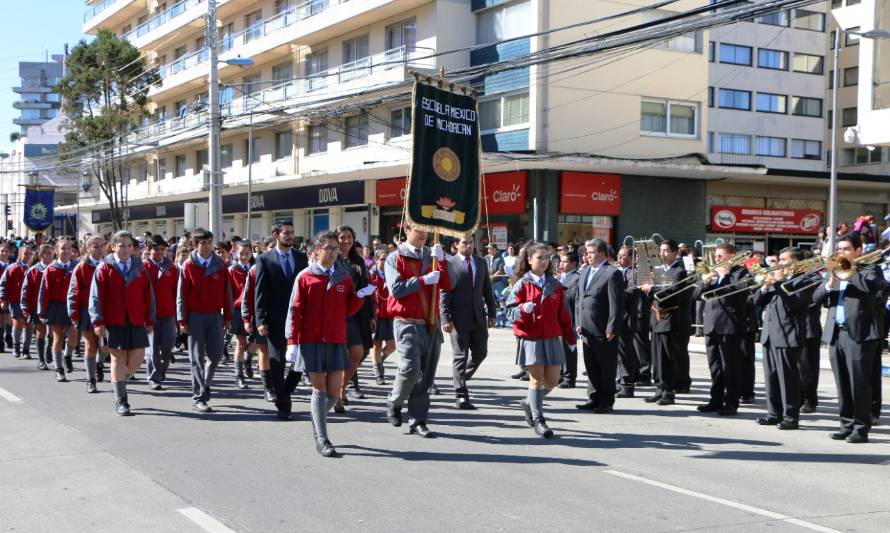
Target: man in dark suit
[(275, 274), (747, 365), (670, 319), (468, 310), (852, 331), (633, 342), (569, 277), (599, 310), (724, 327), (783, 336), (808, 366)]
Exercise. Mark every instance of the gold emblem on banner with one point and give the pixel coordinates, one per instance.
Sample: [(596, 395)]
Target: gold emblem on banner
[(38, 211), (446, 164)]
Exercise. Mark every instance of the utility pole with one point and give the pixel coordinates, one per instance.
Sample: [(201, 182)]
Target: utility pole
[(215, 204)]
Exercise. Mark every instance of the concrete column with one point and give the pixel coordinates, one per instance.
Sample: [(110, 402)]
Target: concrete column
[(238, 223), (301, 226), (170, 228), (335, 217), (265, 223)]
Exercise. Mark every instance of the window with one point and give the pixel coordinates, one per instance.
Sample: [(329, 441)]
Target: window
[(355, 49), (688, 42), (284, 146), (772, 103), (806, 107), (200, 159), (253, 26), (770, 146), (401, 34), (254, 152), (665, 117), (830, 120), (710, 97), (848, 117), (141, 172), (226, 155), (182, 108), (851, 76), (850, 37), (356, 131), (773, 59), (508, 111), (179, 52), (711, 51), (252, 84), (728, 143), (733, 99), (317, 63), (318, 139), (161, 169), (505, 22), (283, 72), (735, 54), (808, 63), (802, 149), (779, 18), (809, 20), (179, 166), (400, 122)]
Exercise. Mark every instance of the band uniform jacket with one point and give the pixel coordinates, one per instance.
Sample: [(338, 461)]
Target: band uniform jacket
[(671, 314), (860, 309), (784, 315), (725, 315), (569, 283), (469, 303), (599, 308), (637, 304)]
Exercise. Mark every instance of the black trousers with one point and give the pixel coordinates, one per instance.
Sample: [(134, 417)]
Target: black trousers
[(782, 382), (853, 366), (682, 379), (628, 362), (283, 388), (808, 367), (601, 363), (876, 396), (470, 349), (747, 371), (570, 368), (664, 360), (724, 354), (643, 349)]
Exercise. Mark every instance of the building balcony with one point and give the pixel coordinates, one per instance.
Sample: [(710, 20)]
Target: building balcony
[(43, 86), (110, 13), (21, 121), (21, 104), (181, 14)]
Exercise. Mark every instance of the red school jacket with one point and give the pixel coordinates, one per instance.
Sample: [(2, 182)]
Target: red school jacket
[(238, 278), (550, 317), (203, 290), (164, 278), (116, 300), (320, 304), (31, 288), (247, 297), (11, 283), (54, 286), (378, 279), (79, 287), (403, 272)]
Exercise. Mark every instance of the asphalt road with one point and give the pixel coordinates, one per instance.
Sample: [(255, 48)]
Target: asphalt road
[(68, 463)]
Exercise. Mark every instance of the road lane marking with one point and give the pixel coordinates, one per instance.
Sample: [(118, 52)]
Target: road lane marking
[(727, 503), (207, 522), (6, 395)]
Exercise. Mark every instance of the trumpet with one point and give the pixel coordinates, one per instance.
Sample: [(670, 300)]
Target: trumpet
[(841, 266), (703, 273)]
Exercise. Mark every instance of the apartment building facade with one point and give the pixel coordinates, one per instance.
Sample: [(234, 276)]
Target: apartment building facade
[(37, 102)]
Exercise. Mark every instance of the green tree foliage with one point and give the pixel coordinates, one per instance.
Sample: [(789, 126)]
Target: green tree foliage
[(104, 92)]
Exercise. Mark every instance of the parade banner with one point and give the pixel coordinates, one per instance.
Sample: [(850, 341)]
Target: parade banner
[(444, 182), (39, 208)]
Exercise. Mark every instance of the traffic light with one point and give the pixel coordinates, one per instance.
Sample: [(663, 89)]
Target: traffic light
[(7, 209), (9, 225)]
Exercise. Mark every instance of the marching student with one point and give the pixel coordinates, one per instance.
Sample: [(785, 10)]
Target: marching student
[(322, 299), (261, 343), (384, 341), (11, 296), (164, 276), (238, 273), (541, 321), (122, 312), (5, 335), (359, 326), (79, 306), (30, 293), (203, 310), (52, 308)]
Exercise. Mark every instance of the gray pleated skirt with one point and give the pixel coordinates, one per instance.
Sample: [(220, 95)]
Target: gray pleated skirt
[(127, 337), (322, 357), (83, 320), (540, 352), (384, 330), (57, 314), (15, 311), (237, 324), (354, 335)]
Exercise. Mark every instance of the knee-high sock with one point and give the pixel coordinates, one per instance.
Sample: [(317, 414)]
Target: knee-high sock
[(319, 414), (57, 360), (535, 400), (41, 344), (239, 369), (89, 364), (48, 346), (330, 402), (28, 335), (69, 351), (120, 391), (17, 340)]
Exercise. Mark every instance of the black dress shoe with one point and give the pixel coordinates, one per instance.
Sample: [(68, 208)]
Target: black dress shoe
[(463, 403), (708, 408), (839, 435), (394, 415), (857, 438), (566, 384), (728, 411), (421, 431), (665, 401), (652, 399), (746, 400), (788, 424), (326, 449), (284, 416), (541, 428), (527, 411), (807, 408), (91, 387), (768, 421), (519, 374), (603, 409), (625, 394), (589, 406), (60, 376)]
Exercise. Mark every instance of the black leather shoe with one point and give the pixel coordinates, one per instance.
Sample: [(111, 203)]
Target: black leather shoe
[(394, 415), (566, 384), (527, 411), (463, 403), (625, 394), (541, 428), (421, 431), (708, 408), (808, 408), (284, 416), (788, 424), (270, 396), (338, 407), (665, 401), (60, 376), (768, 421), (746, 400), (123, 409), (652, 399), (91, 387), (728, 411), (589, 406), (839, 435), (239, 382), (603, 409), (856, 438), (326, 449), (519, 374)]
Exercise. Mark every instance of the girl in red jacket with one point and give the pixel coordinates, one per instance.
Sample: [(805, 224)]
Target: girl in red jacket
[(79, 303), (122, 310), (164, 276), (383, 332), (11, 297), (322, 299), (238, 273), (30, 293), (541, 322), (52, 307)]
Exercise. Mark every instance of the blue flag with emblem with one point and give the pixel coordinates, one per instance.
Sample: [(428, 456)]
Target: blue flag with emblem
[(39, 207)]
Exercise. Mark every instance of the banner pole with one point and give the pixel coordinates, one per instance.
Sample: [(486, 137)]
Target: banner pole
[(434, 305)]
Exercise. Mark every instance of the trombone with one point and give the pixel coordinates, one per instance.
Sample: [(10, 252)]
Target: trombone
[(760, 276), (703, 273), (841, 266)]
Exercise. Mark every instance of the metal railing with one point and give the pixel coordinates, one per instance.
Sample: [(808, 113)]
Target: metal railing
[(165, 16), (407, 56), (96, 9)]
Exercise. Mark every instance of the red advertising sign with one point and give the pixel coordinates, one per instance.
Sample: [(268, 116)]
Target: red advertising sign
[(586, 193), (505, 192), (725, 218)]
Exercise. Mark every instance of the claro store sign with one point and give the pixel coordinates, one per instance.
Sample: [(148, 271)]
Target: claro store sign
[(505, 193)]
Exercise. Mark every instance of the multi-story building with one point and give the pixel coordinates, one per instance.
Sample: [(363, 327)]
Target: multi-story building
[(37, 101)]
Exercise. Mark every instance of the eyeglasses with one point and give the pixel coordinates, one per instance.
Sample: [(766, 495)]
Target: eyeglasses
[(330, 248)]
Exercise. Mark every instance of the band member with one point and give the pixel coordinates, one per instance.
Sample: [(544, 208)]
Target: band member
[(851, 332), (11, 296), (412, 281), (568, 264), (747, 370), (599, 315), (670, 319), (164, 275), (30, 296), (121, 310), (238, 273), (724, 328), (634, 363), (468, 310), (203, 310), (384, 341), (783, 336), (248, 315), (359, 326), (79, 306), (541, 322), (322, 300), (808, 366), (275, 273)]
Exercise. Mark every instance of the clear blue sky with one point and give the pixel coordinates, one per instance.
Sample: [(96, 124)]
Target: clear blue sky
[(29, 31)]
